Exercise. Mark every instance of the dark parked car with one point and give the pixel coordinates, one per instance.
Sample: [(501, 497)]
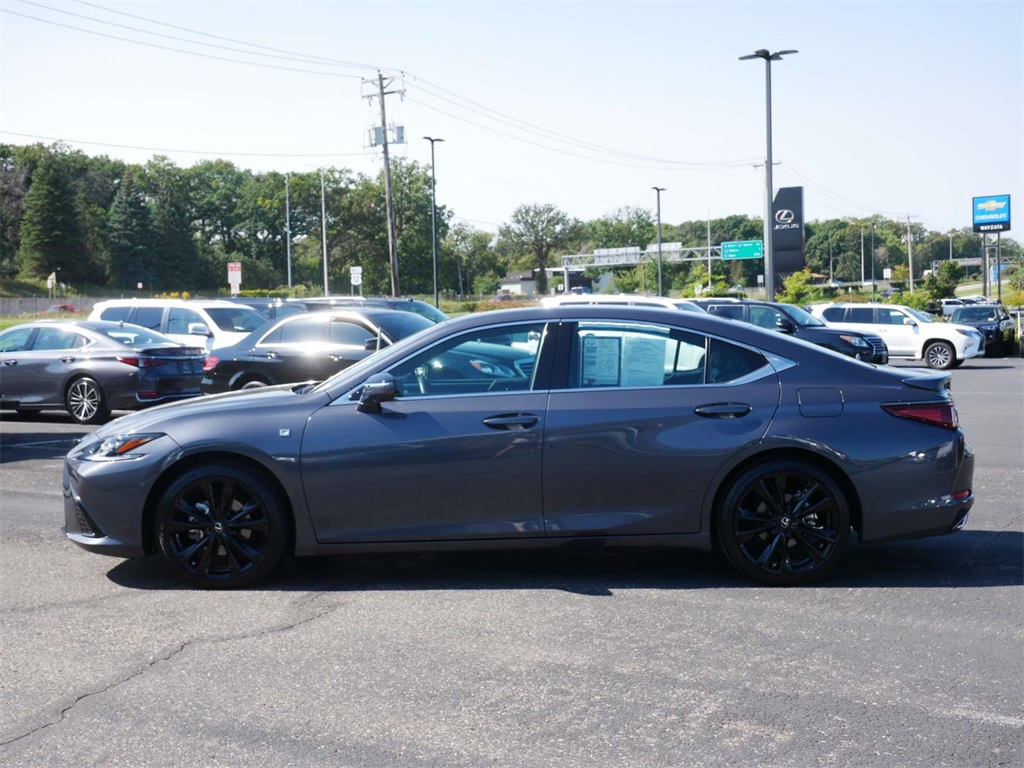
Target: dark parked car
[(92, 367), (416, 306), (310, 346), (597, 426), (992, 320), (787, 318)]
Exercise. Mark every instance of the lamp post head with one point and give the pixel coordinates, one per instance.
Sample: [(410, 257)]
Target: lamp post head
[(762, 53), (431, 140)]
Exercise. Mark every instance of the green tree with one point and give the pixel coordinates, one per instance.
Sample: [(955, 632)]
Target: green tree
[(130, 240), (540, 231), (798, 289), (175, 253), (942, 283), (50, 232), (628, 227), (477, 266)]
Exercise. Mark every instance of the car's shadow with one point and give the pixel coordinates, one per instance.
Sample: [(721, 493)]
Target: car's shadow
[(965, 559)]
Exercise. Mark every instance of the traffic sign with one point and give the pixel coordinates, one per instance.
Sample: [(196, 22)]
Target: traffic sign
[(356, 275), (742, 249)]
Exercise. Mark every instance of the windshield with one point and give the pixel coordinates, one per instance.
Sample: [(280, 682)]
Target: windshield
[(240, 319), (802, 317), (356, 369), (978, 314), (137, 336), (423, 309), (402, 324), (924, 317)]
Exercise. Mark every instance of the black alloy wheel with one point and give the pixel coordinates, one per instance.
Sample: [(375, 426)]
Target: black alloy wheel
[(85, 402), (784, 522), (220, 526)]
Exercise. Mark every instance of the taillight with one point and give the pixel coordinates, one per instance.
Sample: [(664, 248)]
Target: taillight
[(142, 362), (937, 414), (210, 363)]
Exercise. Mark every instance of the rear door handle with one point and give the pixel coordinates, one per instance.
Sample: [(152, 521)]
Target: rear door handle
[(723, 410), (512, 421), (67, 359), (10, 362)]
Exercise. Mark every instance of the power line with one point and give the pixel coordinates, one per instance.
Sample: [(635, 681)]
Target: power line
[(723, 166), (183, 151), (171, 37), (310, 58), (178, 50)]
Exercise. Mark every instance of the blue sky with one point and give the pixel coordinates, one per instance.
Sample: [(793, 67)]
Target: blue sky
[(888, 108)]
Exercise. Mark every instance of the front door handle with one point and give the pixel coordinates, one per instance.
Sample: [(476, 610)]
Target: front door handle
[(512, 421), (723, 410), (68, 359), (10, 362)]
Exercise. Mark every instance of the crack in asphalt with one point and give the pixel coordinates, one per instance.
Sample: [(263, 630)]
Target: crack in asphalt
[(175, 652)]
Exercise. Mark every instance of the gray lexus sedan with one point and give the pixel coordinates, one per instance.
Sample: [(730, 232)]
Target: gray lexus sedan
[(546, 426)]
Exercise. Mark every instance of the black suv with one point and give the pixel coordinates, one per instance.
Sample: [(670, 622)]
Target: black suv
[(787, 318), (992, 320), (428, 311)]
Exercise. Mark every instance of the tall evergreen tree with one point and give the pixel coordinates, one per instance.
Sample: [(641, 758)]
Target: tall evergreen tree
[(51, 235), (130, 240)]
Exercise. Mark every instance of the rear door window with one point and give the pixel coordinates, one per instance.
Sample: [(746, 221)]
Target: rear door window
[(115, 314), (149, 317)]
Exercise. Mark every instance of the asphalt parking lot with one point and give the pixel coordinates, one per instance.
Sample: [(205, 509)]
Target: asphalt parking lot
[(911, 655)]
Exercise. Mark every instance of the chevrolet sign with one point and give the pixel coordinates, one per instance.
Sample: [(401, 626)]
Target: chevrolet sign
[(992, 214)]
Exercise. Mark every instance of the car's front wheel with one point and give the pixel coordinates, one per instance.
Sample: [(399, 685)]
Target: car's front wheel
[(940, 354), (220, 526), (784, 522), (85, 401)]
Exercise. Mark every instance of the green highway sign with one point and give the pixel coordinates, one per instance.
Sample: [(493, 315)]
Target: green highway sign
[(742, 249)]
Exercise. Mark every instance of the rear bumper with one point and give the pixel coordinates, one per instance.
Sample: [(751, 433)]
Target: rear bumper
[(939, 513)]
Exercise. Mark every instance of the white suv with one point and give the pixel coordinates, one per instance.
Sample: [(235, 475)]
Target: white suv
[(909, 334), (210, 324)]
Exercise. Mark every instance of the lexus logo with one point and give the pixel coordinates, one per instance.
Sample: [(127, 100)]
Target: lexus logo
[(784, 216)]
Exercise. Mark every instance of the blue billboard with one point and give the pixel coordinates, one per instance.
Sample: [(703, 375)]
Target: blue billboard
[(992, 213)]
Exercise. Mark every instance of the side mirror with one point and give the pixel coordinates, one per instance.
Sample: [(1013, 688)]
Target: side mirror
[(372, 345), (909, 321), (784, 325), (198, 329), (376, 390)]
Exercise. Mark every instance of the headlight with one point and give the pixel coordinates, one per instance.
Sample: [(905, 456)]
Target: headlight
[(856, 341), (119, 447)]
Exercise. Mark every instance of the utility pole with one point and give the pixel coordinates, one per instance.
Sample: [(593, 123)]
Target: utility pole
[(910, 253), (862, 257), (323, 226), (389, 199), (288, 228)]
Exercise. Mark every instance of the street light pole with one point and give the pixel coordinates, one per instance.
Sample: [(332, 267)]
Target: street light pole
[(709, 249), (872, 261), (658, 191), (433, 212), (769, 251)]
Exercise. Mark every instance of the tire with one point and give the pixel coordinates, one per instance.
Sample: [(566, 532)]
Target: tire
[(254, 384), (940, 354), (85, 401), (221, 527), (784, 522)]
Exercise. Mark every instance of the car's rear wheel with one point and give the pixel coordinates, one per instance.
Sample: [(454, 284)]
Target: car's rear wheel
[(254, 384), (85, 401), (784, 522), (220, 526), (940, 354)]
